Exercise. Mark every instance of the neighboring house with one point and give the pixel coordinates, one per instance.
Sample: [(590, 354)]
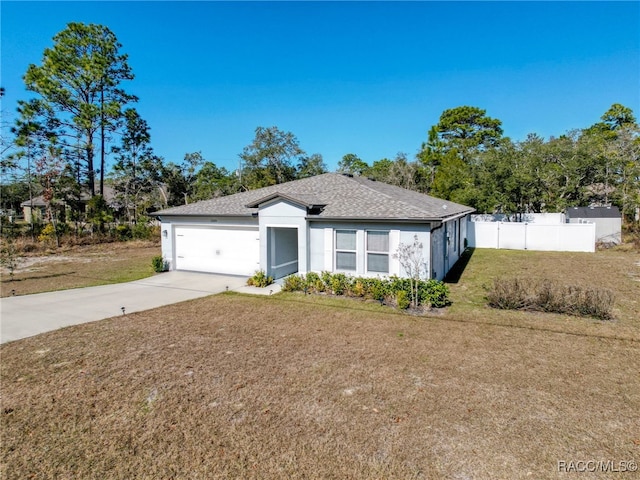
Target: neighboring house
[(608, 221), (330, 222), (36, 209)]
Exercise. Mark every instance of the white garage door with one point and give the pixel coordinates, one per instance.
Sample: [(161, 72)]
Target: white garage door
[(232, 251)]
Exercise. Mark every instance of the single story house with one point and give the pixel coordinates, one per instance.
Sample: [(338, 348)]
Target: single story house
[(35, 209), (608, 221), (329, 222)]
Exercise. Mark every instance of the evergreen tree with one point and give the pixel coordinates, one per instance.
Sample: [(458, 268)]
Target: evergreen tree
[(79, 88)]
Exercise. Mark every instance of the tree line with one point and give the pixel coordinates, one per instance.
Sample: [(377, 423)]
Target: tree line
[(466, 159), (81, 134)]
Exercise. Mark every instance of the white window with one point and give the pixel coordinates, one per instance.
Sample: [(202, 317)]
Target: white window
[(377, 251), (346, 250)]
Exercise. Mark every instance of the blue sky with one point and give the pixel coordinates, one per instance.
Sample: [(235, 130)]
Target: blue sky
[(368, 78)]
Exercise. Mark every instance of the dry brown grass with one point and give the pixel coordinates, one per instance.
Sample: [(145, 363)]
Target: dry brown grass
[(80, 266), (295, 386), (291, 386), (615, 270)]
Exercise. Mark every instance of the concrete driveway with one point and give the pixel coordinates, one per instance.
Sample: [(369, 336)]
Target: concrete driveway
[(29, 315)]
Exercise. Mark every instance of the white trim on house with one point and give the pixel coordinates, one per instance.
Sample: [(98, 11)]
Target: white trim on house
[(377, 253), (345, 251)]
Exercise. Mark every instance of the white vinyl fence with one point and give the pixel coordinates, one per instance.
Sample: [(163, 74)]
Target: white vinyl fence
[(564, 237), (544, 218)]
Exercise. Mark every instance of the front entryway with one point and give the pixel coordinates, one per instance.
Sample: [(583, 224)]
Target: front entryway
[(282, 251)]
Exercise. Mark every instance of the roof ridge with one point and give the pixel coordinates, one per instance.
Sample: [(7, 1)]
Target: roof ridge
[(407, 205), (343, 195), (372, 189)]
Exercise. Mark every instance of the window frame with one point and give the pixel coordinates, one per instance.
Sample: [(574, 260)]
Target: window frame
[(386, 253), (337, 250)]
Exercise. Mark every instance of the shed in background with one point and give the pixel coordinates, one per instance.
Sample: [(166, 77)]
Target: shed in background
[(608, 221)]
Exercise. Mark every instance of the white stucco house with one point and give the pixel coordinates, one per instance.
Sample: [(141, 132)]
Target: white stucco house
[(330, 222)]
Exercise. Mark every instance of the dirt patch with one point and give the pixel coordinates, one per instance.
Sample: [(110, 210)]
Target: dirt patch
[(80, 266), (30, 264)]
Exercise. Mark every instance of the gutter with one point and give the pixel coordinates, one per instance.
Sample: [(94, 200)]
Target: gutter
[(159, 216), (438, 220), (434, 220)]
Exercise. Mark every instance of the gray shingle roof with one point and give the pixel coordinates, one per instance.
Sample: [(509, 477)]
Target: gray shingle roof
[(109, 196), (344, 197), (593, 212)]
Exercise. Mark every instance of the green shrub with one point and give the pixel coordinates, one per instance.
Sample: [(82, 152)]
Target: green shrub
[(339, 283), (395, 290), (357, 288), (433, 293), (294, 283), (326, 277), (123, 232), (260, 279), (314, 283), (159, 264), (402, 299), (48, 233), (396, 284), (142, 231), (378, 289)]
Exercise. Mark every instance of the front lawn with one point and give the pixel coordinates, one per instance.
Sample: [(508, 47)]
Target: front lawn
[(305, 386), (235, 386)]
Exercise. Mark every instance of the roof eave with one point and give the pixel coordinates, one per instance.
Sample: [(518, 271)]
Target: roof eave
[(377, 219), (282, 196), (163, 214)]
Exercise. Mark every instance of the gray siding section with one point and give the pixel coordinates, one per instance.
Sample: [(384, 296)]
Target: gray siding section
[(322, 252), (438, 253), (408, 237), (316, 246)]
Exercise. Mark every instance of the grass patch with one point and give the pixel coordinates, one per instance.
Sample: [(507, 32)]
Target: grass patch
[(81, 266)]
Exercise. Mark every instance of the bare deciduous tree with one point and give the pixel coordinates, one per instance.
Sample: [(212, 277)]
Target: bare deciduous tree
[(414, 264)]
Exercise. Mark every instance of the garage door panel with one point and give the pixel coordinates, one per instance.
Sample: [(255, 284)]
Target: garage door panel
[(234, 251)]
